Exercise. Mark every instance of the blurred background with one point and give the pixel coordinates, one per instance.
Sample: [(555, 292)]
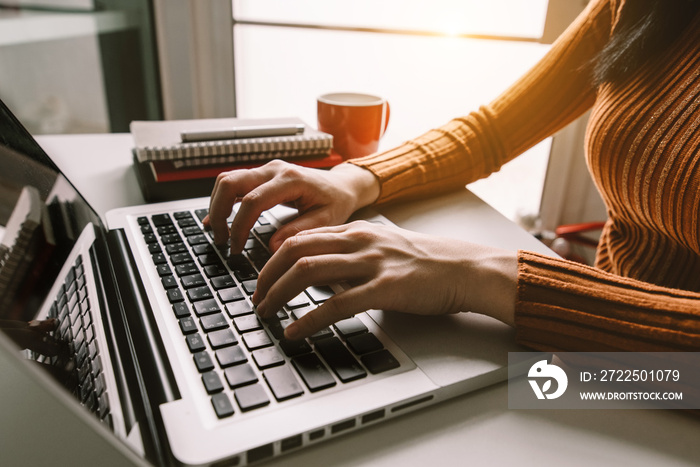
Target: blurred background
[(92, 66)]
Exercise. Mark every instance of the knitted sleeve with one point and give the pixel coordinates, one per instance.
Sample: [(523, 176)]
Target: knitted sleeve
[(553, 93), (563, 305)]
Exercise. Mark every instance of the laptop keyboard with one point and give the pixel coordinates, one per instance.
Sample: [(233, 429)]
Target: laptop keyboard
[(80, 364), (245, 362)]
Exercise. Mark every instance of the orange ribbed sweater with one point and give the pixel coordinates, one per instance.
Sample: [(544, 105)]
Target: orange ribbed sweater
[(643, 151)]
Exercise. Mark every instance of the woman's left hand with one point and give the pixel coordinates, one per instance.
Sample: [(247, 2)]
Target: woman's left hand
[(387, 268)]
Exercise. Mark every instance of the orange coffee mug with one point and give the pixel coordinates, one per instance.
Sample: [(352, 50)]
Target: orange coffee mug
[(356, 121)]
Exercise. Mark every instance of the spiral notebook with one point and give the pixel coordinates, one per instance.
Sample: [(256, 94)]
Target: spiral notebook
[(160, 141)]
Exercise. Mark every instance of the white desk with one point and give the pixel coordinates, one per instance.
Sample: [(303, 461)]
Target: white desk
[(475, 429)]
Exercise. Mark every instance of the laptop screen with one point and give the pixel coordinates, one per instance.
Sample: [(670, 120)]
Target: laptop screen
[(41, 217)]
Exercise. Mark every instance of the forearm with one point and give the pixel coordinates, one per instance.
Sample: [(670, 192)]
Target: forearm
[(567, 306), (554, 92)]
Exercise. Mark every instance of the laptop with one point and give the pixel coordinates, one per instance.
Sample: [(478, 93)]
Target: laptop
[(157, 352)]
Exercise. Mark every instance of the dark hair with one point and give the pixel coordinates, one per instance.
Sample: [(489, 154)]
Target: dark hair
[(644, 30)]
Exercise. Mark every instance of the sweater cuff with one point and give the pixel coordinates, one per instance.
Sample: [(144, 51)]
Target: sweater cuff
[(566, 306)]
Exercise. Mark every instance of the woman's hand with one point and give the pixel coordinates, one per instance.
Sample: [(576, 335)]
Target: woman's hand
[(322, 197), (387, 268)]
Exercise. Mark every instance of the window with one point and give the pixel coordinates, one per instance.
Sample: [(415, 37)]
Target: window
[(432, 60), (71, 67)]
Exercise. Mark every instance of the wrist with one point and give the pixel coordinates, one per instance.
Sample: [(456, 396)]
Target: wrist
[(363, 186), (494, 285)]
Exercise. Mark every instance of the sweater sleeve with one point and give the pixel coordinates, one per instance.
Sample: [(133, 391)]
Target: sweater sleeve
[(565, 306), (553, 93)]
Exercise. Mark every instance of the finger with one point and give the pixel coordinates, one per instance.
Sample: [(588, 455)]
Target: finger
[(278, 190), (340, 306), (305, 244), (34, 341), (310, 220), (228, 188), (311, 271)]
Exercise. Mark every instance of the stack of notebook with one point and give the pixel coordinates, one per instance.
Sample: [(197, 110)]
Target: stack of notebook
[(181, 158)]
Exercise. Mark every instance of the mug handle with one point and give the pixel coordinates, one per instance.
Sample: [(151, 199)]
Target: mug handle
[(386, 112)]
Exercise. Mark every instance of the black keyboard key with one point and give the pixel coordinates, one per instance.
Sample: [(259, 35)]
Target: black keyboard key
[(103, 406), (150, 238), (213, 322), (240, 375), (185, 223), (322, 334), (247, 323), (241, 268), (212, 382), (191, 230), (339, 358), (282, 382), (188, 325), (195, 342), (230, 295), (256, 340), (164, 270), (299, 301), (193, 280), (313, 372), (229, 356), (251, 397), (182, 257), (206, 307), (300, 312), (215, 270), (222, 405), (221, 338), (294, 348), (166, 229), (142, 220), (209, 259), (161, 219), (186, 269), (175, 295), (349, 327), (201, 213), (199, 293), (238, 308), (171, 238), (182, 215), (250, 286), (169, 282), (159, 258), (202, 249), (277, 327), (223, 282), (320, 294), (268, 357), (379, 362), (197, 239), (259, 257), (203, 361), (181, 310), (364, 343), (175, 249), (154, 248)]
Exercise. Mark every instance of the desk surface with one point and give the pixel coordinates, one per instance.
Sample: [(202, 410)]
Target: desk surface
[(476, 428)]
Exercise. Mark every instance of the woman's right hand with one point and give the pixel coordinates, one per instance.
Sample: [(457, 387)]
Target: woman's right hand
[(322, 197)]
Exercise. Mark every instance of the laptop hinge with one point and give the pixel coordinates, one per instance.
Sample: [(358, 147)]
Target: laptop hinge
[(153, 369)]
